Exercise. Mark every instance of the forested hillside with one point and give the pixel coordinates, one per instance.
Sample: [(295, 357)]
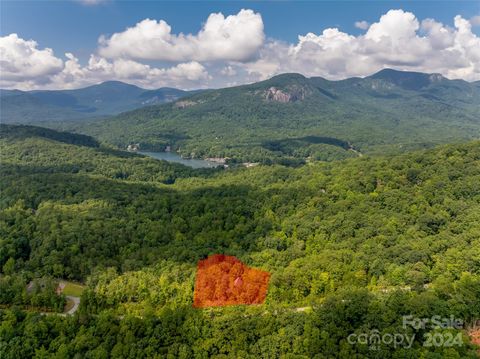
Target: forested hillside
[(352, 246), (108, 98), (290, 116)]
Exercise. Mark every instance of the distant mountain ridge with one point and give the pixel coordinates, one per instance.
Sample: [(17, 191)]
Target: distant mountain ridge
[(408, 80), (288, 115), (105, 99)]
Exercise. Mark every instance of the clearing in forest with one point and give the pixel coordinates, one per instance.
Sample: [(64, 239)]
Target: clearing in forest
[(475, 337), (224, 280), (72, 289)]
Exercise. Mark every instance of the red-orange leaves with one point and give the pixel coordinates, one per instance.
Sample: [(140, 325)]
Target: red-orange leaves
[(475, 337), (224, 280)]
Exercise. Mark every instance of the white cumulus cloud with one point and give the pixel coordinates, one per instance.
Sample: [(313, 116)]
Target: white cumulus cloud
[(233, 38), (99, 69), (24, 65), (233, 50), (22, 60), (362, 25), (398, 40)]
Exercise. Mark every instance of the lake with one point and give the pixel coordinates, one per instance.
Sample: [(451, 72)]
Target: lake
[(175, 157)]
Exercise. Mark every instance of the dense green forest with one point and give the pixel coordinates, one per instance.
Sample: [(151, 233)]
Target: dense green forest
[(293, 117), (352, 246)]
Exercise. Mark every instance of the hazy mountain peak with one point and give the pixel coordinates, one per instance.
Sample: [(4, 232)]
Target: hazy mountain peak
[(406, 79), (106, 98), (114, 85), (288, 76), (285, 79)]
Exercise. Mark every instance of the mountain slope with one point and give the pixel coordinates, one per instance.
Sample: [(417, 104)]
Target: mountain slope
[(33, 150), (107, 98), (388, 111), (22, 132)]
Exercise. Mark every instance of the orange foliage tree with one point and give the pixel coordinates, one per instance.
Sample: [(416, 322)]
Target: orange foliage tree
[(225, 280)]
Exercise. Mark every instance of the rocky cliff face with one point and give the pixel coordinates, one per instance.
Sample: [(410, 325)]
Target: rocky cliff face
[(184, 104), (284, 96)]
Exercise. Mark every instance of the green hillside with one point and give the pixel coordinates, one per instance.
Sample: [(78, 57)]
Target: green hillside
[(35, 151), (289, 116), (23, 132), (352, 246), (108, 98)]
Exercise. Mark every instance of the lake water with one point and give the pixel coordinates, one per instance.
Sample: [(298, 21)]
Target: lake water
[(175, 157)]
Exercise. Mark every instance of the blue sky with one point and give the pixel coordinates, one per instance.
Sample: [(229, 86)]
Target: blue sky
[(75, 27), (70, 25)]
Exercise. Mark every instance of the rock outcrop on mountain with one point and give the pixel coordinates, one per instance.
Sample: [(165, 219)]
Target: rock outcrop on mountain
[(284, 96)]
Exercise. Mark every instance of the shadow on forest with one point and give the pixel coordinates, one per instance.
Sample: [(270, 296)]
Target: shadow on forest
[(192, 224), (277, 145), (25, 131), (289, 145)]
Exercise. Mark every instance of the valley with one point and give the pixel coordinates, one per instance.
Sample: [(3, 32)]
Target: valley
[(380, 114), (239, 179), (173, 157), (341, 239), (288, 119)]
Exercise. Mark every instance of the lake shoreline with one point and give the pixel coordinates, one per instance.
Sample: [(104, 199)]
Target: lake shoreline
[(176, 158)]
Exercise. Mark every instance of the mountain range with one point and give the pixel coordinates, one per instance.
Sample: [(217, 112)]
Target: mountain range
[(108, 98), (286, 118), (291, 116)]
